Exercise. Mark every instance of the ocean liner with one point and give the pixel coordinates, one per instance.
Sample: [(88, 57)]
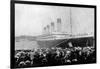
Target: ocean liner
[(53, 35)]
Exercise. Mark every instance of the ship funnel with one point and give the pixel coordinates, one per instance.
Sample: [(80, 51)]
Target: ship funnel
[(52, 27), (44, 30), (58, 24), (48, 29)]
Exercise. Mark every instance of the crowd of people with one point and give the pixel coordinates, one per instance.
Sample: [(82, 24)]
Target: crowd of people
[(54, 56)]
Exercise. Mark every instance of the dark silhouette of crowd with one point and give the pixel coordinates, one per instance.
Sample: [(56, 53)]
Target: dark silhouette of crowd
[(54, 56)]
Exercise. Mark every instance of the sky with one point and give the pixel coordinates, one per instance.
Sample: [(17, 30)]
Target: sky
[(30, 19), (83, 20)]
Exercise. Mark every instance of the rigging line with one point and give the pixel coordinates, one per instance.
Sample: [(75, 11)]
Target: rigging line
[(61, 42)]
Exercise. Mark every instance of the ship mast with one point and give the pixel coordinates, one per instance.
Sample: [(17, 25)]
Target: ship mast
[(70, 22)]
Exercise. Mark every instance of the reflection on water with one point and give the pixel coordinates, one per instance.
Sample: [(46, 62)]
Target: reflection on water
[(25, 44)]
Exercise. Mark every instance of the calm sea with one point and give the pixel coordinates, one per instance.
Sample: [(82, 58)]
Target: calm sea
[(25, 44)]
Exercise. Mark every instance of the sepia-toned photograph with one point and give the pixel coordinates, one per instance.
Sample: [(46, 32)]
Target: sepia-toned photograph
[(52, 35)]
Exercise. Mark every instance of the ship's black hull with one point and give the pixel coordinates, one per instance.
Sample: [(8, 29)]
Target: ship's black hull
[(84, 41)]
